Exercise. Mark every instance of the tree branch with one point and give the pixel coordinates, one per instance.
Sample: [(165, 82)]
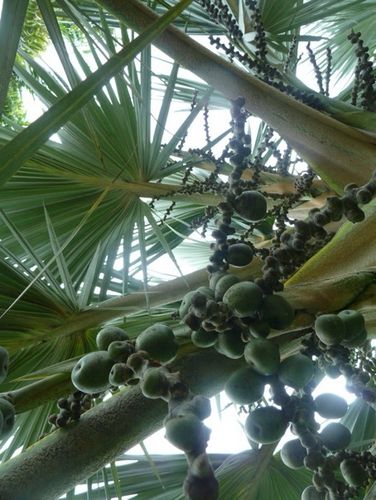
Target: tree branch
[(330, 147)]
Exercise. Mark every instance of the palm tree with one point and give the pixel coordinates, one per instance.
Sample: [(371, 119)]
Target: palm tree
[(84, 216)]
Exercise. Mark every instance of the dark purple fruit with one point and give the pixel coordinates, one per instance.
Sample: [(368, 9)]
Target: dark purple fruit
[(251, 205)]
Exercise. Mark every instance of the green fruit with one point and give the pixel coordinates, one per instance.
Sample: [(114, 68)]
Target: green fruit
[(120, 374), (239, 254), (154, 383), (330, 406), (335, 436), (202, 338), (4, 363), (186, 303), (293, 454), (277, 312), (137, 361), (251, 205), (353, 473), (223, 284), (91, 373), (230, 344), (296, 371), (356, 341), (244, 298), (330, 329), (263, 355), (205, 290), (187, 433), (159, 341), (120, 350), (245, 386), (265, 425), (109, 334), (259, 329), (215, 277), (310, 493), (7, 417), (354, 323)]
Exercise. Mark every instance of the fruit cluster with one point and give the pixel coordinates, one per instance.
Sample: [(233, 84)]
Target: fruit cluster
[(7, 409), (71, 408), (119, 360)]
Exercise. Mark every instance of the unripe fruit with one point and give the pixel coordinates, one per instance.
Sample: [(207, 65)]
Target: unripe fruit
[(244, 298), (277, 312), (293, 454), (330, 329), (215, 277), (353, 322), (186, 303), (335, 436), (109, 334), (263, 355), (230, 344), (356, 341), (251, 205), (245, 386), (120, 374), (7, 417), (4, 363), (91, 373), (310, 493), (203, 338), (239, 254), (199, 406), (296, 371), (259, 329), (353, 473), (187, 433), (330, 406), (265, 425), (223, 284), (205, 290), (154, 383), (159, 341), (120, 350)]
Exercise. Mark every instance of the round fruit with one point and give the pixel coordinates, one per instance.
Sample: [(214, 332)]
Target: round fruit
[(265, 425), (203, 338), (354, 323), (330, 406), (137, 361), (330, 329), (187, 433), (251, 205), (358, 340), (239, 254), (186, 303), (120, 350), (310, 493), (259, 329), (109, 334), (244, 298), (335, 436), (353, 473), (296, 371), (263, 355), (293, 454), (159, 341), (91, 373), (4, 363), (215, 277), (277, 312), (245, 386), (223, 284), (120, 374), (7, 417), (205, 290), (154, 383), (230, 344)]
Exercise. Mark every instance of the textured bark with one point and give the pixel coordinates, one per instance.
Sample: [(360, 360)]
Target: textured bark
[(64, 458), (340, 154)]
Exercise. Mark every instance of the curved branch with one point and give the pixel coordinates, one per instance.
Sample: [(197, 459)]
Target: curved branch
[(340, 154)]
